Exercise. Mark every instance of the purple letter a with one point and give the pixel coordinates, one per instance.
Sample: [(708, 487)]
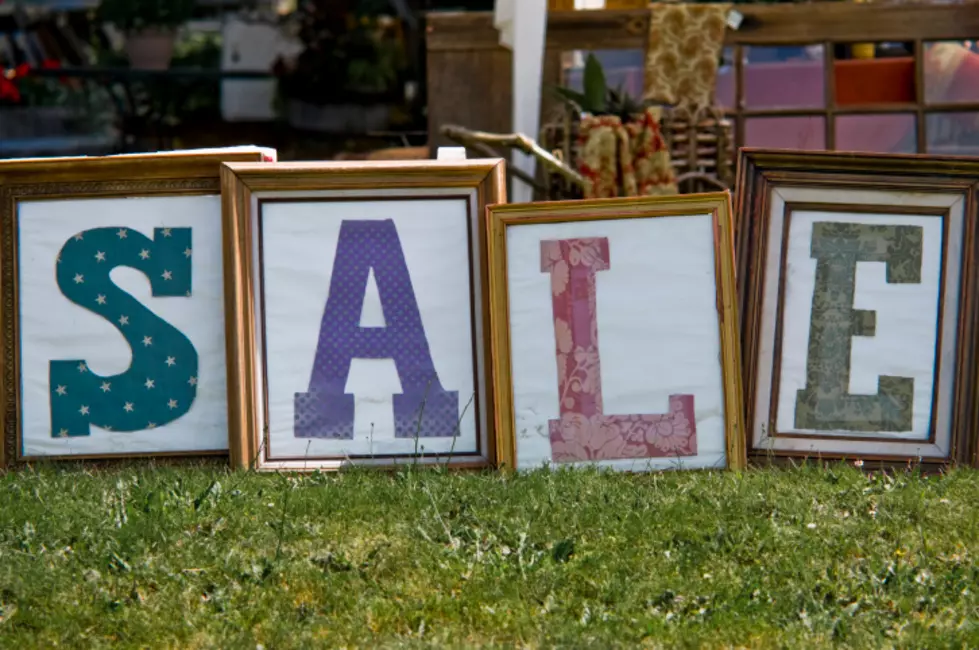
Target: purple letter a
[(423, 408)]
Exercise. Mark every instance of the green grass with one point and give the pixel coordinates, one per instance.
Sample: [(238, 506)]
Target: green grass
[(199, 557)]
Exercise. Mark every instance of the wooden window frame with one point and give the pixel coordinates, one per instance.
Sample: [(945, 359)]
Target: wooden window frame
[(470, 73), (830, 110)]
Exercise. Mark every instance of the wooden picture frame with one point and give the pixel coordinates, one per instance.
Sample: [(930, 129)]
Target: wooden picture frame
[(675, 353), (313, 229), (167, 202), (894, 240)]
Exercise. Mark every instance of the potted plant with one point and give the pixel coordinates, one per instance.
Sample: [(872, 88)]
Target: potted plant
[(348, 74), (620, 145), (150, 27)]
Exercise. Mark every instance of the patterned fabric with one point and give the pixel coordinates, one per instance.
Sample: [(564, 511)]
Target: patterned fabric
[(584, 432), (684, 46), (625, 160), (825, 404), (160, 385), (649, 171), (598, 144), (424, 408)]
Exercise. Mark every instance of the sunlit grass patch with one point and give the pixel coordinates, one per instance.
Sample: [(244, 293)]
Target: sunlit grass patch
[(196, 557)]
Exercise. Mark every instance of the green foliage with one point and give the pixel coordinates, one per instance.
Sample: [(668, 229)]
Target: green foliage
[(200, 557), (87, 107), (598, 98), (136, 15), (596, 91), (351, 52)]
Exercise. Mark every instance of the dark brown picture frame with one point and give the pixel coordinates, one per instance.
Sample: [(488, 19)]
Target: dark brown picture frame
[(760, 174)]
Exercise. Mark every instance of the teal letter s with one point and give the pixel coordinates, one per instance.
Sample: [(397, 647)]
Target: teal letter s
[(161, 383)]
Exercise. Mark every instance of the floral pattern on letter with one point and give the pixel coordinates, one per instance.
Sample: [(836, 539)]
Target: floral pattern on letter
[(584, 432)]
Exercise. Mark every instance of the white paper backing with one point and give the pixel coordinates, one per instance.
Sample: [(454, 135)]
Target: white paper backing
[(53, 328), (299, 242), (903, 344), (658, 331)]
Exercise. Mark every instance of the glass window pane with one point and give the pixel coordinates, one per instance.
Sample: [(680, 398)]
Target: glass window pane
[(784, 77), (875, 81), (887, 133), (725, 92), (622, 68), (952, 72), (953, 133), (807, 132)]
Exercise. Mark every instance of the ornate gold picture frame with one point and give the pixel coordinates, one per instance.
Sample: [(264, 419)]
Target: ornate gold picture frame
[(857, 280), (357, 313), (97, 362), (616, 306)]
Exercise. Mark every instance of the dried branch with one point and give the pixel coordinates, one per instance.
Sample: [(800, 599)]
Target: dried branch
[(517, 141)]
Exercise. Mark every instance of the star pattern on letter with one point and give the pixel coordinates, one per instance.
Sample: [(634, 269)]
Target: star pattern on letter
[(95, 390)]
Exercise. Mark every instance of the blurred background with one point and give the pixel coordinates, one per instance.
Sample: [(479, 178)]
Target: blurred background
[(327, 79), (312, 78)]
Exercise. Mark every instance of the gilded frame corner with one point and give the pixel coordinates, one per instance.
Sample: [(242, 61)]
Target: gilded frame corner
[(241, 185), (760, 173), (718, 204), (162, 174)]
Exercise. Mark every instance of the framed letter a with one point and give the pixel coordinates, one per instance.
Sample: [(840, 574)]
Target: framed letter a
[(358, 313)]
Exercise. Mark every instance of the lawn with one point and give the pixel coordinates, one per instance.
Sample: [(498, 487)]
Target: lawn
[(199, 557)]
